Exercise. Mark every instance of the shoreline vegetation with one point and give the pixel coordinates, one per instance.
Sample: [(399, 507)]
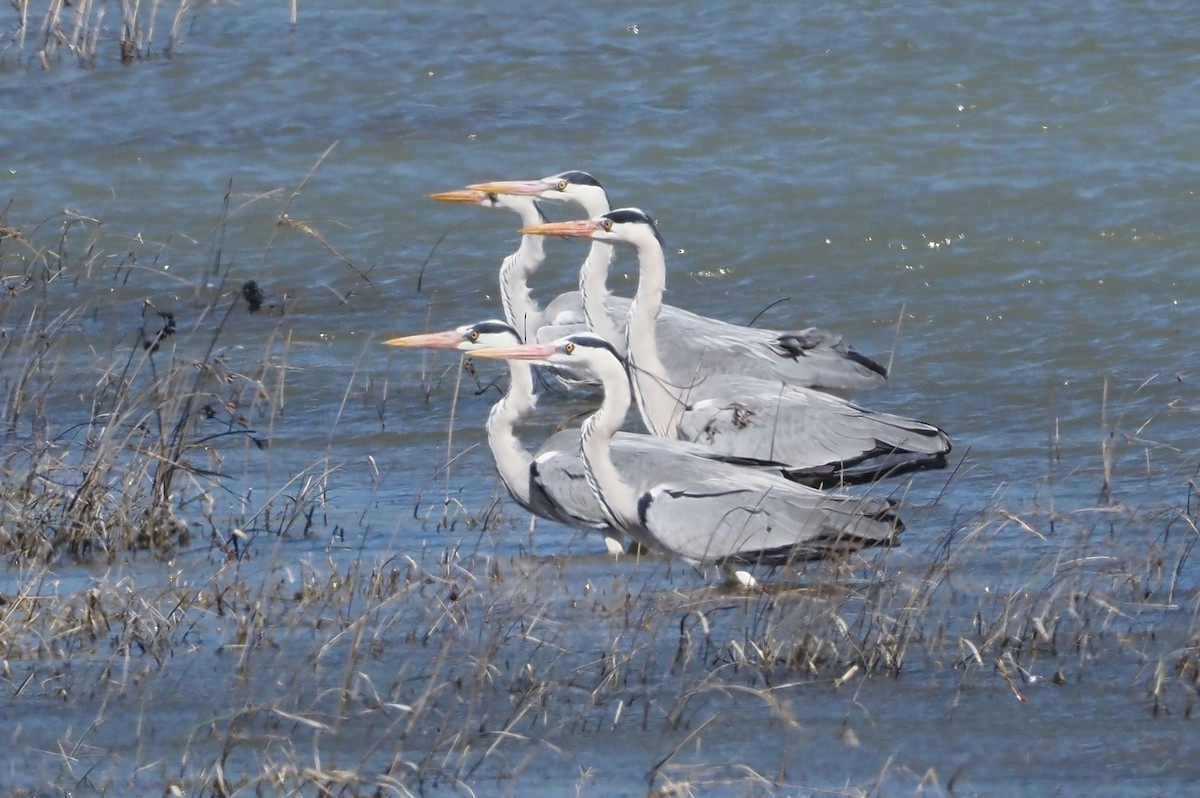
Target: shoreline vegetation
[(55, 32), (84, 31), (153, 640), (409, 672)]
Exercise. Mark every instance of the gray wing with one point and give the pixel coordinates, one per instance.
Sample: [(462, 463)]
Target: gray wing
[(693, 344), (561, 476), (813, 357), (564, 316), (823, 439), (559, 473), (566, 309), (762, 521)]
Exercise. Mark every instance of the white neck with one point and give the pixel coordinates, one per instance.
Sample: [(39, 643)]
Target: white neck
[(619, 499), (512, 459), (593, 276), (520, 309), (593, 287), (658, 400)]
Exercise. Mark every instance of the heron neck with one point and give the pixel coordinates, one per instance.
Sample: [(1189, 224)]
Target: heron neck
[(513, 461), (619, 499), (593, 287), (520, 308), (657, 401)]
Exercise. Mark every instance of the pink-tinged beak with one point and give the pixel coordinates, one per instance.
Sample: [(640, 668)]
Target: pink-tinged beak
[(462, 196), (581, 228), (523, 352), (520, 188), (449, 339)]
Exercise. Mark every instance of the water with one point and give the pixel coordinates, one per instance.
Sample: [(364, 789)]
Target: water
[(1001, 197)]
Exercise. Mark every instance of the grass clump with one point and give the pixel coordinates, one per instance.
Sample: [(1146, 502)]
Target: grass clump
[(85, 30), (116, 444), (247, 656), (141, 444)]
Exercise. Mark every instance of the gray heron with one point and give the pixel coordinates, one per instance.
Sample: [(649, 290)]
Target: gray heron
[(700, 509), (824, 439), (552, 483), (811, 357), (564, 313)]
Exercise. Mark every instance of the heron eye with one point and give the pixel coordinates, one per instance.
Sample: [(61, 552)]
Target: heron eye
[(491, 197), (569, 348), (608, 225), (562, 185), (474, 336)]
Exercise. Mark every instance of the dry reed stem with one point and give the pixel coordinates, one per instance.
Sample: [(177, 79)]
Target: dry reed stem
[(410, 671), (79, 29), (450, 672)]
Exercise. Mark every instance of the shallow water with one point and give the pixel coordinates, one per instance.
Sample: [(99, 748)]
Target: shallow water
[(1001, 198)]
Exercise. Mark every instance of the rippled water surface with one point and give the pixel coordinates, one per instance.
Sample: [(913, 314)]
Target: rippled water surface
[(1001, 199)]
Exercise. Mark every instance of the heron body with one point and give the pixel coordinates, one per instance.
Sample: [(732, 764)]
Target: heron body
[(552, 483), (516, 466), (703, 509), (823, 439)]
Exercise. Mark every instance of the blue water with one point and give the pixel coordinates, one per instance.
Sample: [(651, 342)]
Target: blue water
[(999, 198)]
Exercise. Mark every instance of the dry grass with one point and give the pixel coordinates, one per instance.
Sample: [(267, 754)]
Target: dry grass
[(107, 473), (413, 675), (133, 451), (226, 664), (55, 32)]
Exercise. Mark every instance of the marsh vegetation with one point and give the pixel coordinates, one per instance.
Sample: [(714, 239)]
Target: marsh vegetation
[(247, 551), (154, 634)]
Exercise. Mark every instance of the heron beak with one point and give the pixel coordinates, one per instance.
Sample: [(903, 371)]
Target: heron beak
[(520, 188), (462, 196), (439, 340), (581, 228), (524, 352)]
